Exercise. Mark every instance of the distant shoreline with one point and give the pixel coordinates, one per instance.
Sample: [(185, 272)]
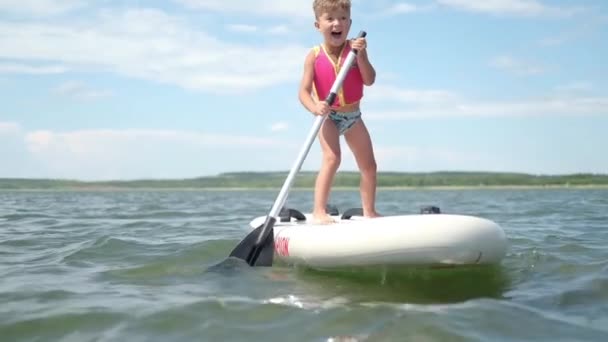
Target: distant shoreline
[(305, 180), (392, 188)]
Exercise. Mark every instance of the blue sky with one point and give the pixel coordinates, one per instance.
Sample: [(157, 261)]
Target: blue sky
[(129, 89)]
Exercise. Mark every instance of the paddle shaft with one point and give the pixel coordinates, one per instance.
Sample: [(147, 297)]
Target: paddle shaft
[(282, 197)]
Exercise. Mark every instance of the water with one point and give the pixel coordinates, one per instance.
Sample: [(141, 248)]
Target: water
[(137, 266)]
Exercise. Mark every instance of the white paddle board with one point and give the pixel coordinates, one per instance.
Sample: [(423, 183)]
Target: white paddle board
[(408, 240)]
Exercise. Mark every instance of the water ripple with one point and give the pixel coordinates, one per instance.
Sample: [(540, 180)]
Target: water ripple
[(151, 266)]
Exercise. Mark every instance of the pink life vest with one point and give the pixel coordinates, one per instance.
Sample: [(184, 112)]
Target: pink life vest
[(326, 72)]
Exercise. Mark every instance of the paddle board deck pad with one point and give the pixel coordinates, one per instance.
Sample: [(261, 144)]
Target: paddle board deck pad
[(425, 239)]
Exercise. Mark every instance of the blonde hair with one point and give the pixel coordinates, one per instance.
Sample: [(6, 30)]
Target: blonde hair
[(322, 6)]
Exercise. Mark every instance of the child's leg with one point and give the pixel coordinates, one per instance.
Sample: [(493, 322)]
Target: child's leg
[(330, 147), (360, 143)]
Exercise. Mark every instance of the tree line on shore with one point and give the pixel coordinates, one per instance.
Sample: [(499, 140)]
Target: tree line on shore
[(306, 179)]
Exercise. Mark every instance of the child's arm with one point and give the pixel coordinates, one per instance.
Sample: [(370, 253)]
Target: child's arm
[(368, 73), (305, 93), (365, 67)]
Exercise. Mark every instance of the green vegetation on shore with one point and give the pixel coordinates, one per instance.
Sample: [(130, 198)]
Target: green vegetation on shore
[(305, 179)]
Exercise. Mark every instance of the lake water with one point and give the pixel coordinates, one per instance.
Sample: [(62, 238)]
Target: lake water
[(135, 266)]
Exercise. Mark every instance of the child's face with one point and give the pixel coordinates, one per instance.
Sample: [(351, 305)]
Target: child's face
[(334, 26)]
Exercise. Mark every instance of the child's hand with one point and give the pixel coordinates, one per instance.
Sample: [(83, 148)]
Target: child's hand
[(322, 108), (359, 44)]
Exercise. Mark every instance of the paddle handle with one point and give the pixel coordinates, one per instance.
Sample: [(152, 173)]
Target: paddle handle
[(282, 197)]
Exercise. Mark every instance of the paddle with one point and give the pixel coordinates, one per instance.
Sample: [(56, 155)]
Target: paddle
[(257, 248)]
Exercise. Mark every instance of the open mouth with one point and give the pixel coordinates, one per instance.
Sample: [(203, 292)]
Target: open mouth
[(336, 34)]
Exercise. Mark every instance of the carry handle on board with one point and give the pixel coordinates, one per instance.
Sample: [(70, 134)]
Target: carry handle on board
[(257, 248)]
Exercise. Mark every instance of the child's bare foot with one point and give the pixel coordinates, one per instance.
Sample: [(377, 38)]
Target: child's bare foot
[(372, 214), (322, 218)]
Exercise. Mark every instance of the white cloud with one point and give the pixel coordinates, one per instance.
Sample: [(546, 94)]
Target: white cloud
[(39, 7), (509, 7), (92, 141), (81, 91), (298, 10), (139, 153), (243, 28), (12, 152), (555, 40), (151, 45), (405, 7), (19, 68), (590, 25), (280, 8), (424, 104), (279, 29), (424, 158), (303, 8), (518, 67), (537, 107), (9, 128), (411, 158), (575, 87), (413, 96), (129, 154), (279, 127)]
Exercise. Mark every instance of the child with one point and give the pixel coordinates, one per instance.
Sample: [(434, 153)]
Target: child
[(332, 20)]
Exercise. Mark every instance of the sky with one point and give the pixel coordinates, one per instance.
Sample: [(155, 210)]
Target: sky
[(108, 89)]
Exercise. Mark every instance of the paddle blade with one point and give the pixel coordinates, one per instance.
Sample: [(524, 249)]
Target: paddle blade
[(257, 248)]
